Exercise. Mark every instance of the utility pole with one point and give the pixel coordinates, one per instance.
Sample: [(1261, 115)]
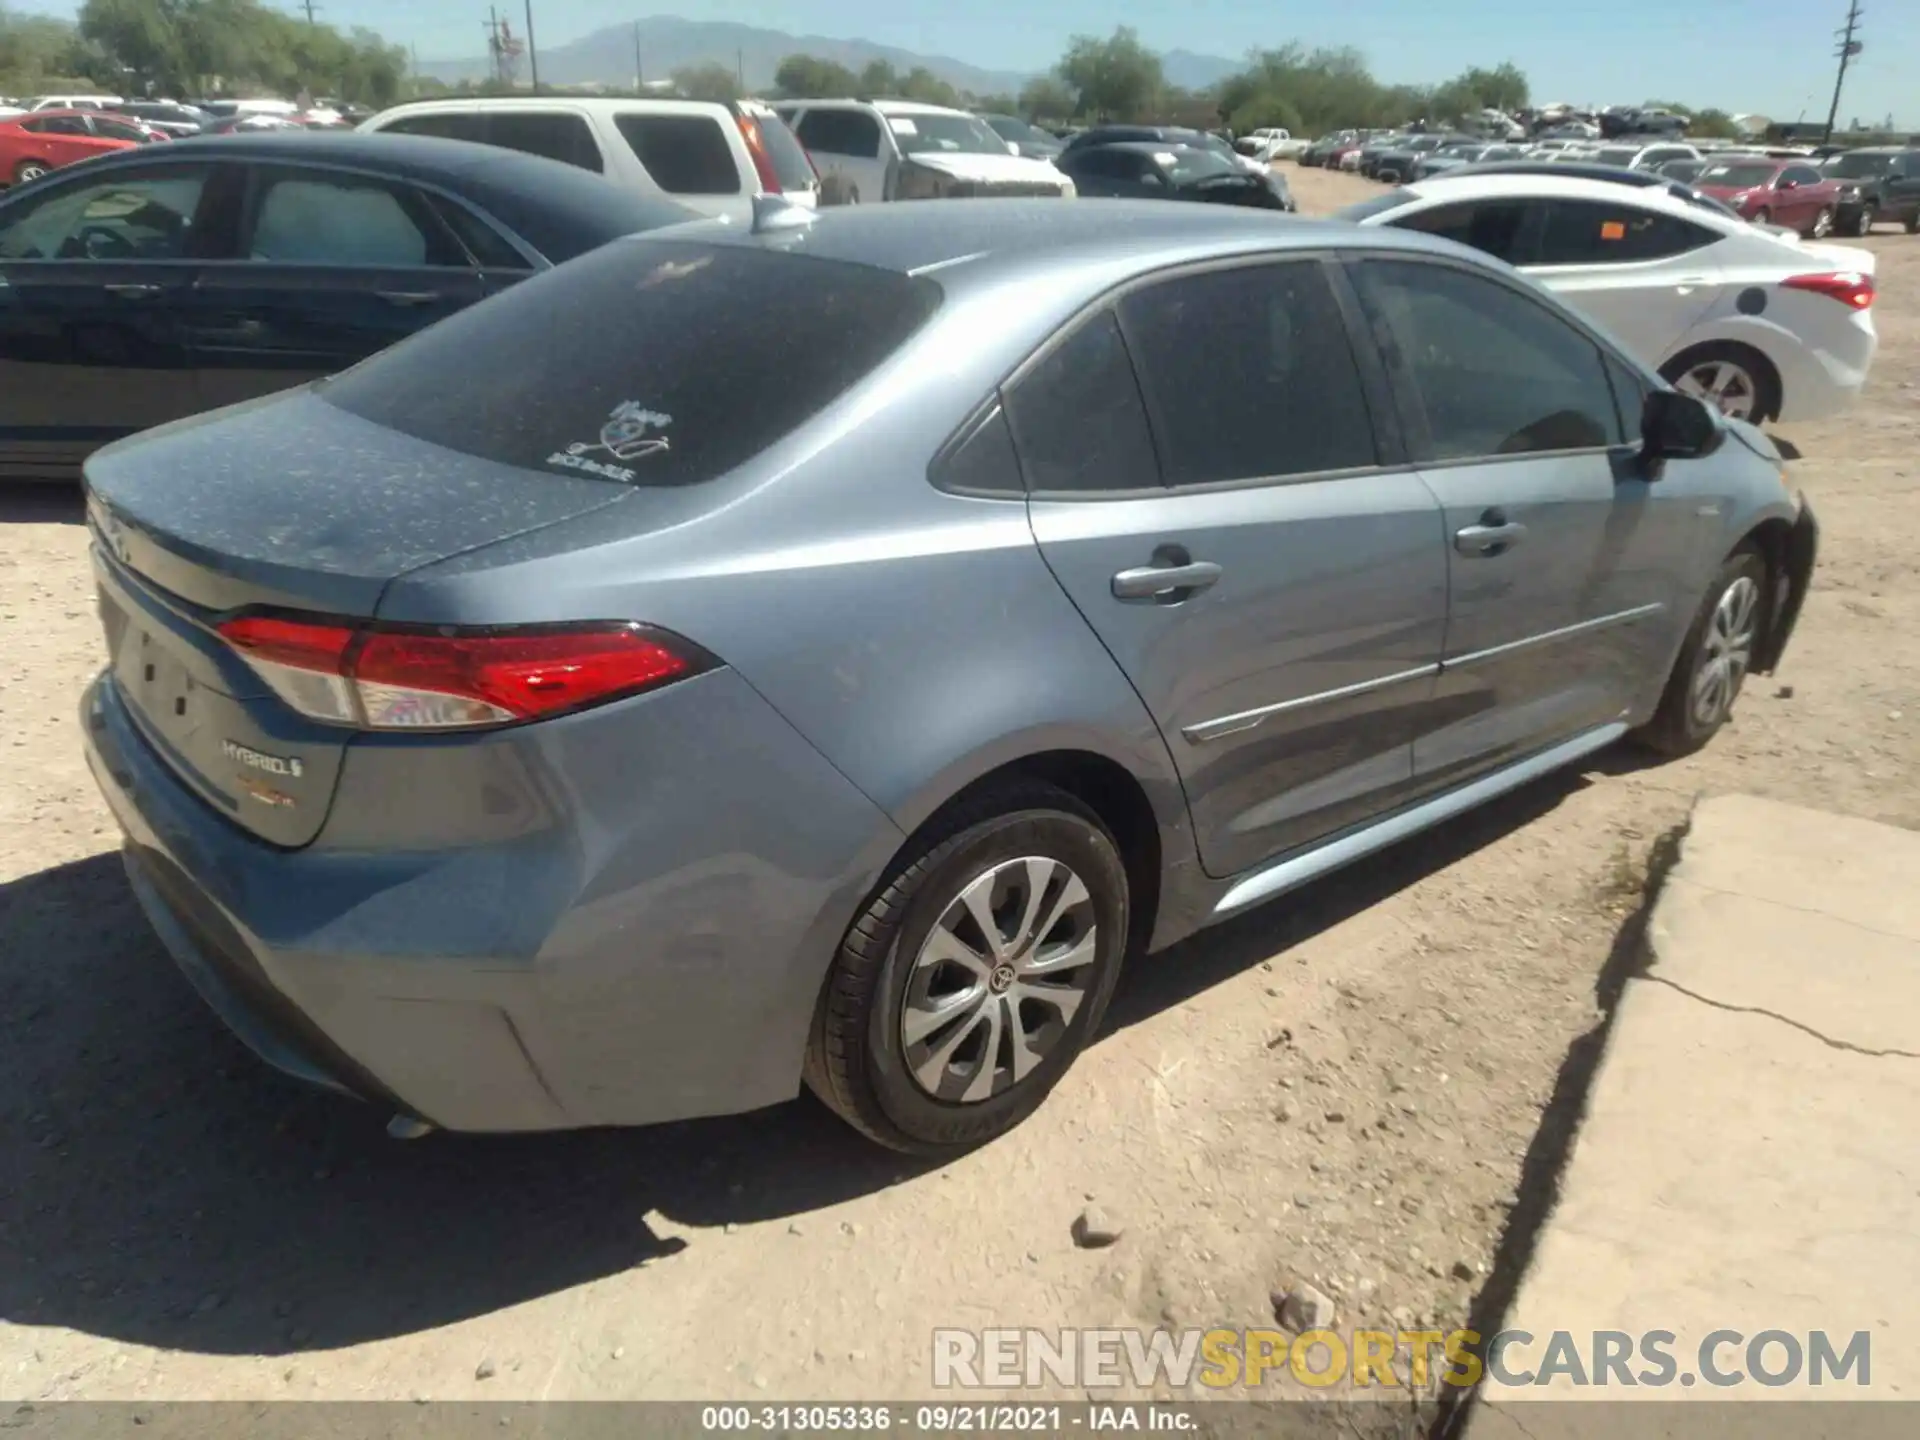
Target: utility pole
[(310, 7), (533, 55), (740, 70), (413, 68), (1849, 47), (639, 73), (493, 41)]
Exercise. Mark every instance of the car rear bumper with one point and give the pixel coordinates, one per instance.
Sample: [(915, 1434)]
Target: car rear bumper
[(645, 948)]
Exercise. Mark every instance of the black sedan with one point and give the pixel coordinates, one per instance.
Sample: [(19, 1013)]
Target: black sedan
[(156, 283), (1151, 170)]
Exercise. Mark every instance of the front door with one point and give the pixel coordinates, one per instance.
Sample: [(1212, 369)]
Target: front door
[(337, 266), (848, 144), (1563, 560), (1644, 276), (93, 275), (1274, 592)]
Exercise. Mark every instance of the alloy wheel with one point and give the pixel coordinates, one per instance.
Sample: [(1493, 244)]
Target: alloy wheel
[(1727, 650), (31, 172), (1726, 385), (999, 979), (1823, 223)]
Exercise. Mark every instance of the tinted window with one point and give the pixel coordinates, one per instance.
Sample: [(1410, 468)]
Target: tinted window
[(554, 134), (1629, 394), (1587, 232), (1077, 417), (648, 361), (1801, 175), (685, 154), (983, 462), (790, 163), (1492, 372), (1249, 373), (130, 217), (118, 130), (488, 247), (469, 126), (840, 132), (310, 217), (57, 125), (1491, 225)]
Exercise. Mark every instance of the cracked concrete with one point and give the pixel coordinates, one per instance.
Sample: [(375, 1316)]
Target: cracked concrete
[(1749, 1159)]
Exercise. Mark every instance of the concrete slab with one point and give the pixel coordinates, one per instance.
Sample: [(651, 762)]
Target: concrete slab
[(1750, 1156)]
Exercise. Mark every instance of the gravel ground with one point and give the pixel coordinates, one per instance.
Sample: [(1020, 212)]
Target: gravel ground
[(1367, 1085)]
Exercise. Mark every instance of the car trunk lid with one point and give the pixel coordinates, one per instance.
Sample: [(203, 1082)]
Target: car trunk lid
[(284, 504)]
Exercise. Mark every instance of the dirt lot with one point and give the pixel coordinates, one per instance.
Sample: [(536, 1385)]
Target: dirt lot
[(1349, 1085)]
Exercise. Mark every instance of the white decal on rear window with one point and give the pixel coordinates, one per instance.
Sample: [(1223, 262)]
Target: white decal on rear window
[(625, 436)]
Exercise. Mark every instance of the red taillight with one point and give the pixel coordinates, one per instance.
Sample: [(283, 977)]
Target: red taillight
[(762, 161), (418, 678), (1852, 288)]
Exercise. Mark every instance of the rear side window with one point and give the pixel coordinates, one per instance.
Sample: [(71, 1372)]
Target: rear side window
[(1586, 232), (685, 154), (1490, 225), (558, 135), (313, 217), (1077, 418), (468, 126), (1249, 374), (647, 362)]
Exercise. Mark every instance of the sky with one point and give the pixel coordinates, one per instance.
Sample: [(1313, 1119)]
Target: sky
[(1769, 57)]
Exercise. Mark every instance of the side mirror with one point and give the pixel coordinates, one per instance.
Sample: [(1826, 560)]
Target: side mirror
[(1676, 427), (1787, 185)]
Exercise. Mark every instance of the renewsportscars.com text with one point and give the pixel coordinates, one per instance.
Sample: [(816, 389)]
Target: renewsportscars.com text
[(1222, 1359)]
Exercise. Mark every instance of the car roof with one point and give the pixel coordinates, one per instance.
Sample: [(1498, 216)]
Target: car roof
[(422, 157), (985, 240), (1496, 180), (592, 104)]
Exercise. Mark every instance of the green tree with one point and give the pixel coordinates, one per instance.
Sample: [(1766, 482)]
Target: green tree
[(808, 77), (923, 85), (1114, 79), (707, 82), (1046, 97), (1713, 125)]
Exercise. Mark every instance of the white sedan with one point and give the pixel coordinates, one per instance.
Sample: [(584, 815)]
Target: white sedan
[(1760, 323)]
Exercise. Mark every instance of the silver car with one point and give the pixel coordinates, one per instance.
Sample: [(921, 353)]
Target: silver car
[(825, 649)]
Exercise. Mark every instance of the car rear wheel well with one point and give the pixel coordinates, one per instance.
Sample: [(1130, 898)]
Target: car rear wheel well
[(1111, 792), (1770, 540), (1755, 361)]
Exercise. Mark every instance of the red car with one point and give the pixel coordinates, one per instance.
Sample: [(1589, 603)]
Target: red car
[(1793, 193), (43, 140)]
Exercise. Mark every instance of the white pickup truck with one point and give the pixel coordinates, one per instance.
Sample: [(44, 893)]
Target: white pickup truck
[(1270, 144)]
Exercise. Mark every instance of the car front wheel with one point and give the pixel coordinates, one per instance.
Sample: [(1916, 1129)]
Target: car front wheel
[(28, 170), (1863, 222), (1713, 661), (1822, 224), (976, 975)]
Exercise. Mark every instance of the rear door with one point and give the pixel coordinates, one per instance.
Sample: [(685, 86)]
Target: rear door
[(333, 265), (95, 273), (1238, 535), (1563, 560), (1804, 192), (1645, 276)]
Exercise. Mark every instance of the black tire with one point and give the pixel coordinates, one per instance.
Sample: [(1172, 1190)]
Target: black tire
[(1678, 727), (1766, 380), (1913, 223), (1863, 222), (857, 1055), (1821, 225)]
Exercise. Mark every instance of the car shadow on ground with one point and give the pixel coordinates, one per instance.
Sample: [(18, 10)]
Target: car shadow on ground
[(41, 505), (165, 1188)]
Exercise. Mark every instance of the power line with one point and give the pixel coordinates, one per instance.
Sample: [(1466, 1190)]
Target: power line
[(1849, 47)]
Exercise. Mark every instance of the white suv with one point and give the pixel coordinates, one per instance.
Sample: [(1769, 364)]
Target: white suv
[(869, 150), (713, 158)]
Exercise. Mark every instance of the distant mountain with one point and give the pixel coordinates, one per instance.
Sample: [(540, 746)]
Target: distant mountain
[(666, 44)]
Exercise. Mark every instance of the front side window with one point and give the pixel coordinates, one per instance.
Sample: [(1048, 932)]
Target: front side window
[(311, 217), (148, 216), (1077, 419), (852, 133), (556, 134), (1491, 371), (1489, 225), (1800, 175), (1249, 374), (685, 154), (1590, 232)]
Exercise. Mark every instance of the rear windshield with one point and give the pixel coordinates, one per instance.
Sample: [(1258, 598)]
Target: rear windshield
[(648, 362), (1615, 156), (790, 161)]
